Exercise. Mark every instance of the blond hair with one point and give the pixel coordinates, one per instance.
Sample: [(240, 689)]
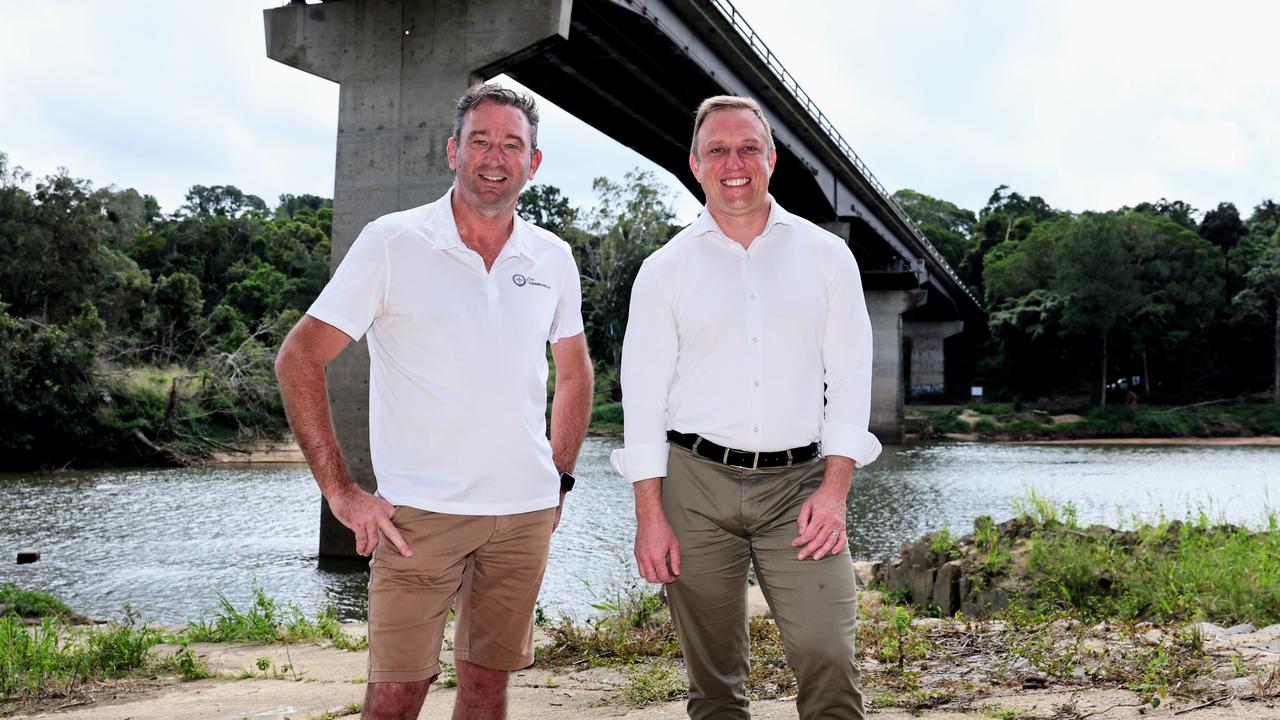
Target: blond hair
[(728, 102)]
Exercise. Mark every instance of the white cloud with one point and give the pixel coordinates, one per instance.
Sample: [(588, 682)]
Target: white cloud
[(1211, 145)]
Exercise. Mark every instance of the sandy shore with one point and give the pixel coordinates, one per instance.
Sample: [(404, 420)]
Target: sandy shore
[(323, 680)]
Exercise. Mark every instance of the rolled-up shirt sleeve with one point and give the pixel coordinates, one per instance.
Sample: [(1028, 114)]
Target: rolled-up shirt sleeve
[(846, 360), (648, 367)]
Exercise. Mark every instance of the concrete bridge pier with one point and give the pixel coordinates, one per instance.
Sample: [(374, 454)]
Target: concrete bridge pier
[(928, 359), (888, 382), (401, 65)]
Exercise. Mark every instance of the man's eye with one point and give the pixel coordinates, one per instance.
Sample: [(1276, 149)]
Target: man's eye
[(716, 151), (479, 143), (750, 149), (513, 147)]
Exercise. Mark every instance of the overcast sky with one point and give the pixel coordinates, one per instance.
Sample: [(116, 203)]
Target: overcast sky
[(1091, 105)]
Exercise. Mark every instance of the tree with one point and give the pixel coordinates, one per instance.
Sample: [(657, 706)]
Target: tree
[(944, 224), (1129, 282), (1175, 210), (1007, 218), (631, 219), (548, 208), (224, 200), (1261, 294), (1222, 226)]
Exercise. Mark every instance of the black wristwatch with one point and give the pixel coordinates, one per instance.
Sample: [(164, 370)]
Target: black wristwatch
[(566, 482)]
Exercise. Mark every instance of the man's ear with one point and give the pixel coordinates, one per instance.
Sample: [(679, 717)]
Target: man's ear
[(451, 150)]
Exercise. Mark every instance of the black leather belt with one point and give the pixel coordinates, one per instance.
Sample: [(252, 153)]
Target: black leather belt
[(743, 458)]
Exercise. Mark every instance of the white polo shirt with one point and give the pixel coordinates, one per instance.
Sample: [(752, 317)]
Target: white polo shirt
[(458, 358)]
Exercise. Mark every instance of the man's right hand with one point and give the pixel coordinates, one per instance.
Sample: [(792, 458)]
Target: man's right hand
[(655, 545), (367, 515)]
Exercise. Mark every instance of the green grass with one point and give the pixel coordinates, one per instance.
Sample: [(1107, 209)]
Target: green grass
[(1164, 571), (33, 604), (1012, 421), (266, 621), (53, 658)]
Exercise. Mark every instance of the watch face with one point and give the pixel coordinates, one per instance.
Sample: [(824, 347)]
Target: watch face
[(566, 482)]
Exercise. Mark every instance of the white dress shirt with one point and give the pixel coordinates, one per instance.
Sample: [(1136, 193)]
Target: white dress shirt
[(736, 345), (457, 358)]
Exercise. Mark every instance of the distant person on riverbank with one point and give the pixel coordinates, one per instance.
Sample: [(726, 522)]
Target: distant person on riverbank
[(459, 299), (748, 344)]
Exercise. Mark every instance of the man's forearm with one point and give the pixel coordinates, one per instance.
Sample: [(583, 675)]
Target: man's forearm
[(306, 403), (648, 499), (570, 416), (838, 475)]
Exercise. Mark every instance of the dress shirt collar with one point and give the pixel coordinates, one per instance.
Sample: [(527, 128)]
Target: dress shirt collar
[(707, 224), (446, 236)]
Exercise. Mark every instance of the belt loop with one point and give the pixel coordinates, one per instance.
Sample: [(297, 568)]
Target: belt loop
[(789, 460), (725, 460), (755, 461), (697, 440)]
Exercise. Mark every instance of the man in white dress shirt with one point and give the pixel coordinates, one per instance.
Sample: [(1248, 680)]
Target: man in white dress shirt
[(459, 299), (746, 388)]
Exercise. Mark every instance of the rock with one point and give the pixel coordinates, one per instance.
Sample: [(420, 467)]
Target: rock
[(1270, 631), (864, 571), (946, 588), (28, 555), (1268, 647), (896, 576), (920, 573), (1035, 681), (1240, 629), (1207, 630)]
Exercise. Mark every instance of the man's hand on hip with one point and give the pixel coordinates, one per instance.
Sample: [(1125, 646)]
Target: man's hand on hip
[(366, 514), (822, 517)]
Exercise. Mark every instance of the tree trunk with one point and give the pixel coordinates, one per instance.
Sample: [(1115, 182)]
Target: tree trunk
[(1146, 375), (1103, 405), (1275, 384)]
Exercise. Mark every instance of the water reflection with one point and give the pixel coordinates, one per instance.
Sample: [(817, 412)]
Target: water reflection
[(170, 542)]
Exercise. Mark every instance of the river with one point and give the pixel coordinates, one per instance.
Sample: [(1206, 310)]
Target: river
[(169, 543)]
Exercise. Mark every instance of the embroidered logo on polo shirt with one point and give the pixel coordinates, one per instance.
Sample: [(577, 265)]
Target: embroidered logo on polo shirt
[(521, 281)]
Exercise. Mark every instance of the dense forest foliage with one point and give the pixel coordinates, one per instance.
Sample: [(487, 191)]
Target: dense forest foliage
[(1185, 302), (128, 335)]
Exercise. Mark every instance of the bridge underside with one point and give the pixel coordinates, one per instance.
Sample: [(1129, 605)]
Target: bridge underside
[(634, 69)]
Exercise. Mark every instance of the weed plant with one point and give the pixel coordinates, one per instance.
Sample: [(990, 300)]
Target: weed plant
[(635, 625), (265, 621)]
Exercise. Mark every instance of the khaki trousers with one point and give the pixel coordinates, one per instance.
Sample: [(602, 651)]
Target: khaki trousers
[(726, 519)]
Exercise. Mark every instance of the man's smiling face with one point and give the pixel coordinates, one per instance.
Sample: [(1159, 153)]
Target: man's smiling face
[(493, 160), (733, 162)]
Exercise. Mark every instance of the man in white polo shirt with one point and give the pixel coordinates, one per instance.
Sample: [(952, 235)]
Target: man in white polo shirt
[(748, 344), (459, 299)]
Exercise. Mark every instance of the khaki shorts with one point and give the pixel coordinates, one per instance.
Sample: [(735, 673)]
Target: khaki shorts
[(493, 564)]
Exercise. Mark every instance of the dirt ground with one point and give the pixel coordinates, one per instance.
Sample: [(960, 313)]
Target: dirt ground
[(320, 680)]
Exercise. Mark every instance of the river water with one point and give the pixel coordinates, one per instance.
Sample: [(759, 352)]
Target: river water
[(169, 543)]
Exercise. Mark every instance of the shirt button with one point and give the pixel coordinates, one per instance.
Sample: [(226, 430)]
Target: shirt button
[(755, 339), (756, 383), (755, 429), (753, 296)]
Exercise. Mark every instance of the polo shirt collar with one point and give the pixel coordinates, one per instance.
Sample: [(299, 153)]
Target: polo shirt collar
[(777, 216), (446, 236)]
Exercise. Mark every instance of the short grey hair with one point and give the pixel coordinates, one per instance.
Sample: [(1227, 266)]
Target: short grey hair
[(728, 102), (495, 93)]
